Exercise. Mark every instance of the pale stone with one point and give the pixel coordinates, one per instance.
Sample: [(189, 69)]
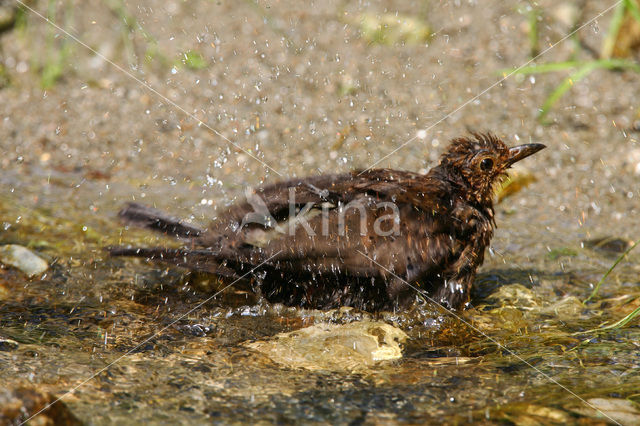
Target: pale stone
[(351, 347), (23, 259)]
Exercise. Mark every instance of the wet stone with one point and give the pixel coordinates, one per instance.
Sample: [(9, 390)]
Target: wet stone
[(564, 309), (20, 404), (23, 259), (515, 295), (356, 346), (609, 245), (622, 411)]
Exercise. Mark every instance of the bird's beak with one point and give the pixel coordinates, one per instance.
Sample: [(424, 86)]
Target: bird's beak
[(519, 152)]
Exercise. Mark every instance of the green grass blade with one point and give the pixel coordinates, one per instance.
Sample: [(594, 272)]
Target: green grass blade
[(617, 64), (534, 46), (614, 28), (566, 84), (604, 277), (624, 321), (542, 68), (562, 66), (618, 324), (634, 9), (583, 71)]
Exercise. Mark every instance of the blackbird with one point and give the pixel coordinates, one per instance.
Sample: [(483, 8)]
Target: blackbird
[(366, 239)]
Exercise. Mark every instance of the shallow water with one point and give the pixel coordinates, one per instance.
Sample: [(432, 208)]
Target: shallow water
[(130, 339), (129, 328)]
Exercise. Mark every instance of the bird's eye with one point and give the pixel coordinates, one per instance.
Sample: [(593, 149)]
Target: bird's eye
[(486, 164)]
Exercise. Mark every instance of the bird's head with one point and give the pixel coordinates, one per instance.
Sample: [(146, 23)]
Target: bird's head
[(480, 161)]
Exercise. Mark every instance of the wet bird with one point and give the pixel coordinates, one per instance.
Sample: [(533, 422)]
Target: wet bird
[(367, 239)]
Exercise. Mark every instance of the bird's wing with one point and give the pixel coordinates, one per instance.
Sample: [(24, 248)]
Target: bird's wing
[(275, 202), (332, 230), (363, 237)]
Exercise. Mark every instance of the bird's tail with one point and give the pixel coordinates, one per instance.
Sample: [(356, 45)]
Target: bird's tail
[(196, 260), (150, 218)]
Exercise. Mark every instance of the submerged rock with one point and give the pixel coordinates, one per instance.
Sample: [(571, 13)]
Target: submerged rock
[(609, 245), (516, 295), (20, 404), (566, 308), (618, 410), (348, 347), (23, 259)]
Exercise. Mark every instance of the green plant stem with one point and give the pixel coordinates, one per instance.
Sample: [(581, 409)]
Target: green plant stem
[(624, 321), (534, 48), (53, 66), (604, 277), (562, 66), (566, 84), (583, 69), (634, 9), (131, 26), (614, 28), (616, 325)]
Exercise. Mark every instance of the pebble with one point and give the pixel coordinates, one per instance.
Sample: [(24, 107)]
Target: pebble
[(23, 259), (352, 347), (609, 245), (19, 404)]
